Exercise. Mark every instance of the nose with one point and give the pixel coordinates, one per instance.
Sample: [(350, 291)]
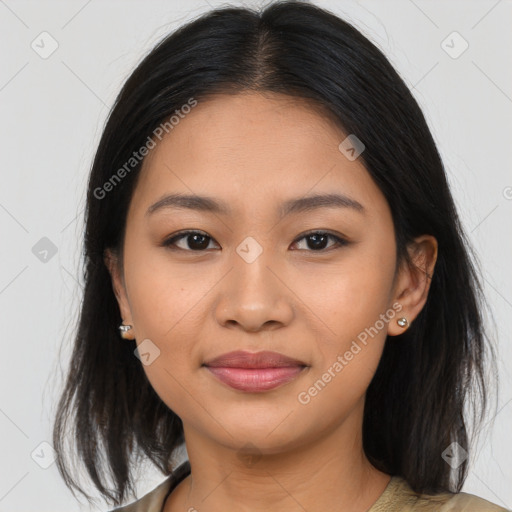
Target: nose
[(253, 296)]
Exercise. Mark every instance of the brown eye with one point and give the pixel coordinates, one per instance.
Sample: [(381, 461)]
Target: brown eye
[(197, 241), (189, 240), (318, 241)]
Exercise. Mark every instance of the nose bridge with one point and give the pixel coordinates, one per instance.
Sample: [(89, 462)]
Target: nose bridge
[(250, 261), (252, 296), (253, 282)]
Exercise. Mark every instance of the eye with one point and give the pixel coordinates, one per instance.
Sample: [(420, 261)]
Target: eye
[(195, 241), (317, 240), (198, 241)]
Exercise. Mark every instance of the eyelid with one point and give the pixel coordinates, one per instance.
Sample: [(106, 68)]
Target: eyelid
[(340, 239), (168, 242)]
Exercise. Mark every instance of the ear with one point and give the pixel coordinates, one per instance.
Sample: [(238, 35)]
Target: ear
[(114, 267), (413, 281)]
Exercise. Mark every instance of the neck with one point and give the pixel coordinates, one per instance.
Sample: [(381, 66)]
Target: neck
[(331, 473)]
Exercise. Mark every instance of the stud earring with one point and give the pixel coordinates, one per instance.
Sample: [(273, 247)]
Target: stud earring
[(403, 322), (125, 331)]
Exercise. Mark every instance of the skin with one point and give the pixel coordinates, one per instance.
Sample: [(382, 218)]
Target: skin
[(253, 152)]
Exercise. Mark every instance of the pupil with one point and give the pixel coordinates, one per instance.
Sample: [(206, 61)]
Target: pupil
[(201, 244), (316, 243), (201, 241)]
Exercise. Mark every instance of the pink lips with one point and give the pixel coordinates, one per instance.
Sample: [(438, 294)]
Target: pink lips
[(254, 372)]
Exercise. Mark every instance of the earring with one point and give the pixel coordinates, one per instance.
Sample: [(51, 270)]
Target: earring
[(403, 322), (125, 331)]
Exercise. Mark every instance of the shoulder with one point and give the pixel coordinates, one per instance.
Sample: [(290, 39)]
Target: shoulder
[(154, 500), (150, 502), (469, 502), (399, 497)]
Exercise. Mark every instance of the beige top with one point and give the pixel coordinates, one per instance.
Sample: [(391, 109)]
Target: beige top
[(397, 497)]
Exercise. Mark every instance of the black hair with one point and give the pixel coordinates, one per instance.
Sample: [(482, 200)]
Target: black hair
[(415, 403)]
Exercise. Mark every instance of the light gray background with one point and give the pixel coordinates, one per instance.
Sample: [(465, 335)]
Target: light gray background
[(52, 114)]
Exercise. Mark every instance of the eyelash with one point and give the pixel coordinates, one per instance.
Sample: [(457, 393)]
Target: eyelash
[(170, 242)]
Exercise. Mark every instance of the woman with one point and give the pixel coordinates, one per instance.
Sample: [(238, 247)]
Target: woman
[(270, 230)]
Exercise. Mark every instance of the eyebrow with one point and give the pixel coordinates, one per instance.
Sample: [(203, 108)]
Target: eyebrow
[(291, 206)]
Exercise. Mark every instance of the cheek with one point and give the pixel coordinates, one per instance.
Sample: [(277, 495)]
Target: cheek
[(348, 301), (348, 297), (348, 353), (166, 311), (163, 297)]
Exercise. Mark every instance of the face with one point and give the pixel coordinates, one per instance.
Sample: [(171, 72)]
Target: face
[(271, 268)]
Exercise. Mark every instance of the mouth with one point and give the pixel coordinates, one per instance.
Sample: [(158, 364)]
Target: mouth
[(255, 372)]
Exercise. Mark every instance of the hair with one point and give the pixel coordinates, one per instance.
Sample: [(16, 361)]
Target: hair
[(426, 377)]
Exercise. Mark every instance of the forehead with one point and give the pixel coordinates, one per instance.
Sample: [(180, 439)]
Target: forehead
[(252, 148)]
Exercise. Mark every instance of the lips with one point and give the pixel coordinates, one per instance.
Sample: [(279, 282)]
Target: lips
[(242, 359), (255, 372)]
